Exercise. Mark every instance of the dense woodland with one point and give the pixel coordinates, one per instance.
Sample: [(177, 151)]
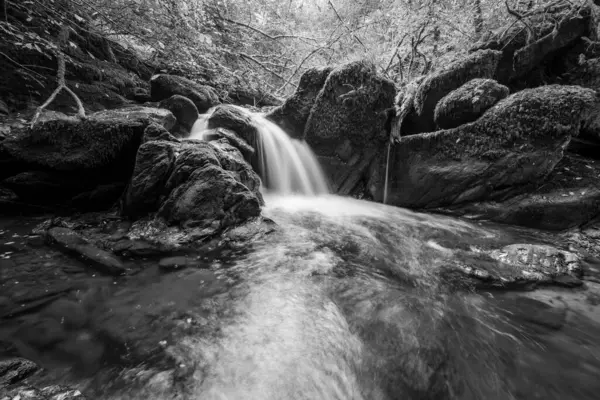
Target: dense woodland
[(270, 43)]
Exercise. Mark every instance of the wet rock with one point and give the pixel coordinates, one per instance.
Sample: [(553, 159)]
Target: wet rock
[(3, 108), (416, 112), (158, 132), (194, 183), (468, 102), (292, 115), (235, 119), (252, 97), (102, 197), (567, 198), (184, 111), (138, 248), (515, 266), (98, 259), (47, 393), (43, 187), (348, 120), (163, 86), (516, 143), (231, 138), (15, 370)]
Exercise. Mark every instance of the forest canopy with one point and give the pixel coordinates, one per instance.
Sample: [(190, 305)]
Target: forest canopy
[(268, 44)]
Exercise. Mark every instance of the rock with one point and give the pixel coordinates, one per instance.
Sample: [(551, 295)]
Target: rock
[(175, 263), (14, 370), (55, 392), (346, 126), (154, 163), (104, 142), (252, 97), (568, 198), (588, 75), (41, 187), (184, 110), (3, 108), (556, 30), (163, 86), (235, 119), (98, 259), (468, 102), (205, 185), (138, 248), (158, 132), (102, 197), (210, 198), (293, 114), (139, 95), (516, 143), (231, 138), (515, 266), (418, 110), (567, 281)]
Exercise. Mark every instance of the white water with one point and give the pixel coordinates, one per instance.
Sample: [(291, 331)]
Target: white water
[(286, 165)]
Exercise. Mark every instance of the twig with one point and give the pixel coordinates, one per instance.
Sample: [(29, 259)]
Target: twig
[(344, 24), (246, 56), (62, 40), (276, 37), (395, 52)]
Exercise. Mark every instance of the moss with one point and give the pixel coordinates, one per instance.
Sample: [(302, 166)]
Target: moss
[(351, 105)]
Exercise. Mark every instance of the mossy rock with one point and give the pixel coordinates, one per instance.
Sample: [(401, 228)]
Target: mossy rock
[(468, 102), (293, 114), (514, 144)]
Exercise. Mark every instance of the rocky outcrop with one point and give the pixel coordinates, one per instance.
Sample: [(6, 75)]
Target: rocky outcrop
[(416, 108), (163, 86), (516, 143), (346, 126), (195, 184), (468, 102), (62, 157), (292, 115), (533, 54), (184, 111)]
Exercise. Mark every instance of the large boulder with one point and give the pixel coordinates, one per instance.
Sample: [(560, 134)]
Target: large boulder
[(163, 86), (194, 184), (346, 125), (62, 156), (416, 109), (587, 74), (468, 102), (292, 115), (516, 143)]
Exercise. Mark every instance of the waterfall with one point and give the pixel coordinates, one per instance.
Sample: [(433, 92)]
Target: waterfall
[(286, 165)]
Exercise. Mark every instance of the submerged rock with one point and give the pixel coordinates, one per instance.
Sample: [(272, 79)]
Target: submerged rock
[(163, 86), (15, 370), (516, 143), (99, 259), (292, 115), (468, 102)]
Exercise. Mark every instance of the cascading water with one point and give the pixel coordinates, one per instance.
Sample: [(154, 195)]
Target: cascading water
[(286, 165)]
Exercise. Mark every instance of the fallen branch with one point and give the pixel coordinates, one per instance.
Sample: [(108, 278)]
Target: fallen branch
[(60, 75)]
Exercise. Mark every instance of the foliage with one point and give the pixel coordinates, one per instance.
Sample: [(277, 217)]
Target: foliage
[(268, 44)]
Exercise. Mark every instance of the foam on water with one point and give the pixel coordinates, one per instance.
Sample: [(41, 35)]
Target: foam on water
[(286, 165)]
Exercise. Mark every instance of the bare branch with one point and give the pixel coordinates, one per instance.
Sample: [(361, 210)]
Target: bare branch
[(276, 37), (344, 24)]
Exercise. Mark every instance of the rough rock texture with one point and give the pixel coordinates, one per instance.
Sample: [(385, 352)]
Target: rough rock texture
[(62, 157), (14, 370), (514, 144), (568, 198), (234, 119), (531, 56), (416, 111), (346, 125), (468, 102), (163, 86), (184, 111), (194, 184), (46, 393), (587, 74), (223, 134), (292, 115)]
